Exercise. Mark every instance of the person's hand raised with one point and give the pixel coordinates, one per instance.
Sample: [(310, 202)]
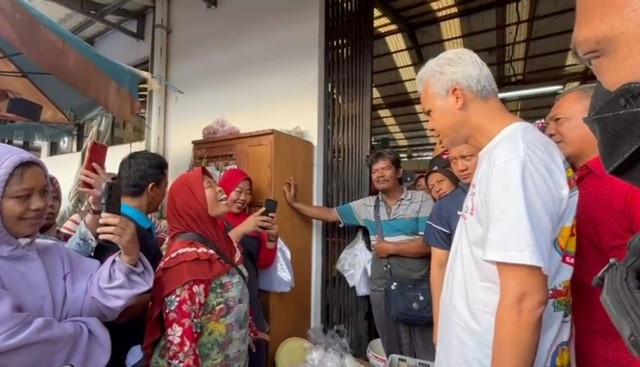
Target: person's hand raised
[(290, 191), (256, 222), (94, 183), (123, 233)]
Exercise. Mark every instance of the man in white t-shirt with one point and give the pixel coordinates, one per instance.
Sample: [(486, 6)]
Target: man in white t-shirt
[(505, 300)]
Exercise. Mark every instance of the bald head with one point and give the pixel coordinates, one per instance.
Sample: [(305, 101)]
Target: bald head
[(584, 91), (565, 125)]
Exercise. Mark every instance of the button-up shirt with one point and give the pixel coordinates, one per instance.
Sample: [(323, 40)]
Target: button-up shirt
[(608, 216)]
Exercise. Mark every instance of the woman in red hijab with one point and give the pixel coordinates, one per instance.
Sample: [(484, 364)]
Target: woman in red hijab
[(258, 235), (199, 312)]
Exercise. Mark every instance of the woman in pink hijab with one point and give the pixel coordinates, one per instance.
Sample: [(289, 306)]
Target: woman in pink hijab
[(49, 230)]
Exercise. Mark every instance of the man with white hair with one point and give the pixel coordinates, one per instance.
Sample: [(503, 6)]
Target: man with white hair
[(505, 300)]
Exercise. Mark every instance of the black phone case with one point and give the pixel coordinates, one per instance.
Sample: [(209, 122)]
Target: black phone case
[(111, 198)]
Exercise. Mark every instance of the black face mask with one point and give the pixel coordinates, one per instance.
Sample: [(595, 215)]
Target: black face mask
[(614, 118)]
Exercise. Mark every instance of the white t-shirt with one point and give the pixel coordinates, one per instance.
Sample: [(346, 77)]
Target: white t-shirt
[(519, 210)]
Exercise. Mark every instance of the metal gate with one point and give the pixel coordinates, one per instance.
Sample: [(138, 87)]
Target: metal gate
[(347, 124)]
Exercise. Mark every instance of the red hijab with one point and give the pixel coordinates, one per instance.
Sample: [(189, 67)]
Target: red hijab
[(228, 182), (186, 212)]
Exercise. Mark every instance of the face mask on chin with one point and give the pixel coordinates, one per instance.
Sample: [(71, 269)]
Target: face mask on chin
[(614, 118)]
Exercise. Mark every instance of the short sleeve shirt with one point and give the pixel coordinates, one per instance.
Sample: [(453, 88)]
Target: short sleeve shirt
[(443, 220), (405, 221)]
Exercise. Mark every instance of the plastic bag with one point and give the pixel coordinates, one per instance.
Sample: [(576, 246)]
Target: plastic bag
[(330, 349), (279, 276), (362, 287), (218, 128), (355, 264)]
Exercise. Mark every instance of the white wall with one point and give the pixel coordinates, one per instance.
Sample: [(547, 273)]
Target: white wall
[(125, 49), (65, 166), (255, 62)]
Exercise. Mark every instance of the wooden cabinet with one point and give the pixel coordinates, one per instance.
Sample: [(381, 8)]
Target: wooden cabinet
[(270, 158)]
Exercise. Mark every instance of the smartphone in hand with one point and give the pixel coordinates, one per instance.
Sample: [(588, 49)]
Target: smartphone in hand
[(111, 201), (111, 198), (96, 153), (270, 207)]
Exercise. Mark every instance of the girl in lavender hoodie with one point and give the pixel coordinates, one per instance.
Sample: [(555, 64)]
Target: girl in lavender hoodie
[(52, 300)]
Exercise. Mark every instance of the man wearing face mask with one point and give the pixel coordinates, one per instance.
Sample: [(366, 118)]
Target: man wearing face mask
[(601, 38), (604, 38)]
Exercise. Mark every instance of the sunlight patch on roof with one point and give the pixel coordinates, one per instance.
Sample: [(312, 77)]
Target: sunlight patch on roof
[(573, 64), (392, 125), (382, 23), (449, 28)]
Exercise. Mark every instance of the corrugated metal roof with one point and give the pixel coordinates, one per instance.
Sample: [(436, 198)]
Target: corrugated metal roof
[(72, 14), (526, 43)]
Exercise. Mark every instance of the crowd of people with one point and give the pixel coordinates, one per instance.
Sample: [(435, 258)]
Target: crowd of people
[(506, 231), (106, 290)]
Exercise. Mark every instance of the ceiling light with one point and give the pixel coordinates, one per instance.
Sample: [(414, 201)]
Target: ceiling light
[(530, 92)]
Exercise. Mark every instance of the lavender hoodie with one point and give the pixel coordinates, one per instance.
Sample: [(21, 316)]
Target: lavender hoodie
[(52, 300)]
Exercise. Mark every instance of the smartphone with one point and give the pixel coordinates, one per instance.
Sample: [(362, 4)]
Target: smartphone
[(111, 201), (96, 153), (111, 198), (270, 206), (24, 108)]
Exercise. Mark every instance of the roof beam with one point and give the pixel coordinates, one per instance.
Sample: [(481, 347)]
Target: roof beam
[(459, 14), (77, 6), (94, 7), (397, 19), (492, 64), (106, 10), (484, 31)]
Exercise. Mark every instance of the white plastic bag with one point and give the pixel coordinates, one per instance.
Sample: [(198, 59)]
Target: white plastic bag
[(279, 276), (355, 264), (362, 287)]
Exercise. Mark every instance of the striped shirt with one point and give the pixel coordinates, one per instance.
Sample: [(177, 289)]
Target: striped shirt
[(406, 220)]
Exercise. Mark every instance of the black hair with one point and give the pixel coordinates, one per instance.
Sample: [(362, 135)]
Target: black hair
[(382, 154), (140, 169)]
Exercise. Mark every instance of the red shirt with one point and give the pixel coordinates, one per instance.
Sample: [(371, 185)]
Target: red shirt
[(608, 216)]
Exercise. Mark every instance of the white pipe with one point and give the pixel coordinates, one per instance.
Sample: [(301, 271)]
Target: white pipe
[(156, 109), (530, 92)]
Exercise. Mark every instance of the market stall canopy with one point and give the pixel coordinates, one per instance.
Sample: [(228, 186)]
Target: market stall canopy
[(43, 63)]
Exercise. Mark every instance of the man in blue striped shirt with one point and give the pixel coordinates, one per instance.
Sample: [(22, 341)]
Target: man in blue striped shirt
[(403, 216)]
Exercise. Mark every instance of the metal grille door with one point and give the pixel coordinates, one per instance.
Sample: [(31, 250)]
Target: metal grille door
[(347, 124)]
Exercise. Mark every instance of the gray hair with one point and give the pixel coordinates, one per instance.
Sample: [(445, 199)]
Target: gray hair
[(459, 67)]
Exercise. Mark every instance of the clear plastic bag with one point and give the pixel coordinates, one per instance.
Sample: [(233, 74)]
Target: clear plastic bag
[(354, 264), (279, 276), (330, 349)]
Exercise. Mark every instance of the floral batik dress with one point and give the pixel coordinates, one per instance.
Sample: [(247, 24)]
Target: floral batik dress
[(206, 324)]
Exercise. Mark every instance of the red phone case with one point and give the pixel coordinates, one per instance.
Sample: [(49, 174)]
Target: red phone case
[(96, 153)]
